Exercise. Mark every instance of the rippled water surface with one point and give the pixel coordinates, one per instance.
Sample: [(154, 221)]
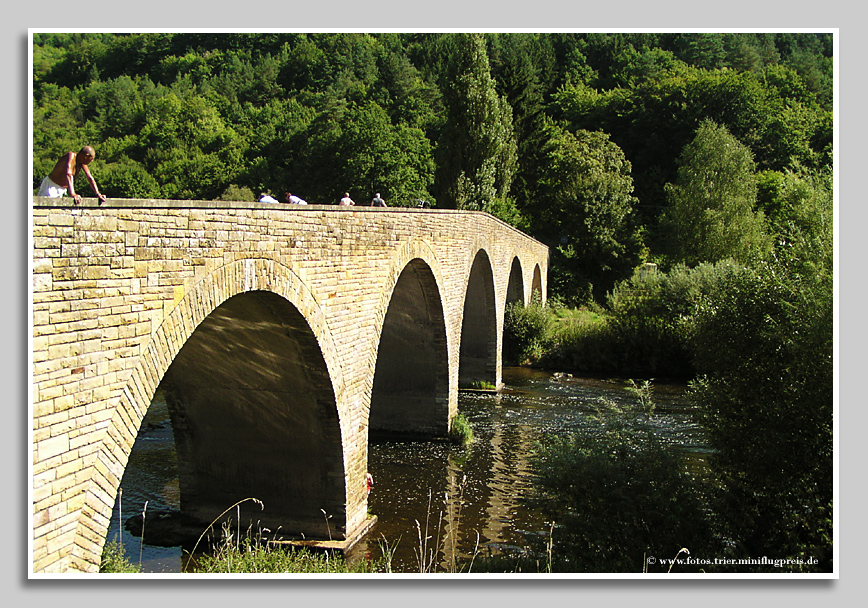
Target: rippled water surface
[(431, 496)]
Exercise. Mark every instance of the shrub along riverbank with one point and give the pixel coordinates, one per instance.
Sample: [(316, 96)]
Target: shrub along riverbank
[(756, 343)]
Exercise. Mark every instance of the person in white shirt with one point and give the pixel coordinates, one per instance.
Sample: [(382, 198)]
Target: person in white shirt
[(294, 200), (346, 201)]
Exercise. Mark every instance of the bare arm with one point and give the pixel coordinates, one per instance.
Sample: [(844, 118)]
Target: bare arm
[(92, 181)]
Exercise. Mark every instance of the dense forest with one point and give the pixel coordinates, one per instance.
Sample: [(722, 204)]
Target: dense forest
[(709, 155), (575, 138)]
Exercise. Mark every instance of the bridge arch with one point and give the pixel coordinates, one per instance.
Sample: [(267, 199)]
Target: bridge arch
[(210, 305), (536, 286), (410, 386), (254, 414), (478, 352), (515, 285)]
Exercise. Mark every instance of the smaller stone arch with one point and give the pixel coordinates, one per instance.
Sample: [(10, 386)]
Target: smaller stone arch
[(536, 286), (515, 284), (410, 393), (478, 351)]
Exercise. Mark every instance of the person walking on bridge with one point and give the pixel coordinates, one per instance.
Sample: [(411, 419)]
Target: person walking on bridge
[(377, 201), (62, 177), (346, 201)]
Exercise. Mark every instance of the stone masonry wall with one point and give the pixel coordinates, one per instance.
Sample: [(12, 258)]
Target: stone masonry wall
[(118, 288)]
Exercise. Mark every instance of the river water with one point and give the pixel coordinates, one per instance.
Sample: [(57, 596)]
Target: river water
[(433, 500)]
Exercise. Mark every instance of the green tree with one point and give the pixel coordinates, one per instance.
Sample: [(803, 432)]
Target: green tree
[(770, 113), (378, 156), (584, 211), (523, 66), (710, 214), (476, 153), (702, 50), (188, 148)]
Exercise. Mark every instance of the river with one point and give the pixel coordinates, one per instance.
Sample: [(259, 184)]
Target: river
[(433, 500)]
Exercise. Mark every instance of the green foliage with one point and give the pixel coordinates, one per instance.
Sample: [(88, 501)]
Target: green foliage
[(127, 179), (254, 556), (525, 332), (476, 154), (618, 494), (653, 121), (711, 214), (115, 561), (461, 432), (764, 340), (648, 329), (588, 212), (237, 193)]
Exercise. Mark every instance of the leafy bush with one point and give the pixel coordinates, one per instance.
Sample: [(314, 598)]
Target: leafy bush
[(764, 340), (526, 331), (618, 494), (647, 329)]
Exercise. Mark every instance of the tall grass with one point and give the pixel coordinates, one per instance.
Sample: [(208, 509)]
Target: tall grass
[(252, 554), (432, 543)]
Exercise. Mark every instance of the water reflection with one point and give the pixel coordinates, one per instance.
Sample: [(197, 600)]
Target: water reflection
[(435, 501)]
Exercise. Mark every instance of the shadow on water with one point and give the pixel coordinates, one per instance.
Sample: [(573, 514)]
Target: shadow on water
[(433, 499)]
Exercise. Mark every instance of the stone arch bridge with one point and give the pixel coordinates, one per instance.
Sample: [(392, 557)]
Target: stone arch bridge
[(282, 336)]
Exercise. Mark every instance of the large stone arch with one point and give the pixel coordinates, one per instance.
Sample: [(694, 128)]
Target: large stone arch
[(410, 391), (479, 331), (255, 415), (154, 359)]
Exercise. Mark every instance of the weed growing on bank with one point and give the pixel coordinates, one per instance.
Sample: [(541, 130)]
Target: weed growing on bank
[(115, 561), (461, 432)]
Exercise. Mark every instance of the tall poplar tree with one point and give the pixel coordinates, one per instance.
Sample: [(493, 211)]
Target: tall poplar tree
[(476, 153)]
